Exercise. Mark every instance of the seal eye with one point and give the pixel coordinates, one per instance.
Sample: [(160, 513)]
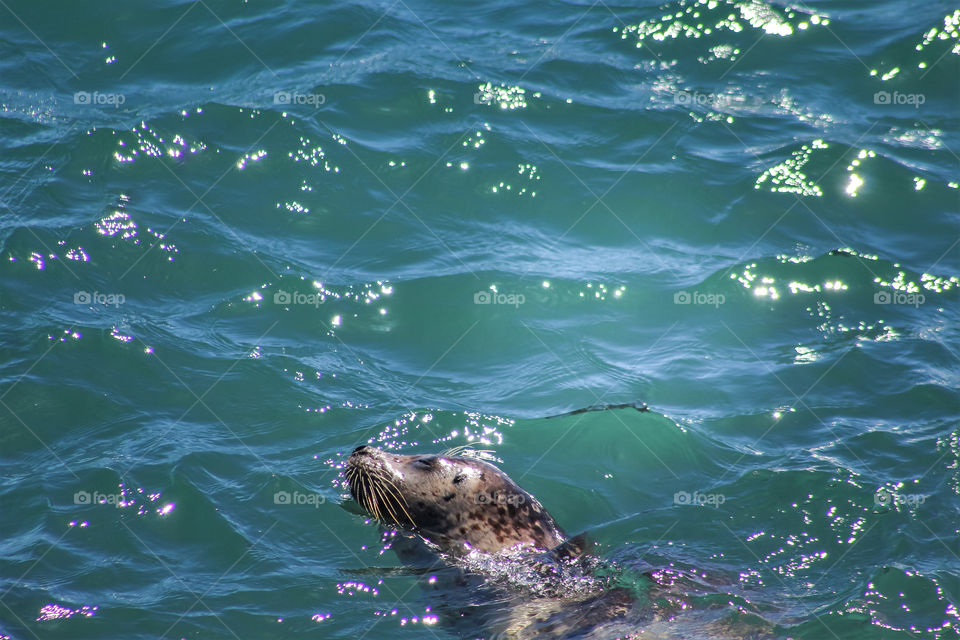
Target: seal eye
[(426, 463), (459, 478)]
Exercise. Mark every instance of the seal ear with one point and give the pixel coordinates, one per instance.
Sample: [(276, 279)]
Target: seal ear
[(573, 548)]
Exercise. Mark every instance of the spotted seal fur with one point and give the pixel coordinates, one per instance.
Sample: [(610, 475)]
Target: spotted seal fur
[(459, 504)]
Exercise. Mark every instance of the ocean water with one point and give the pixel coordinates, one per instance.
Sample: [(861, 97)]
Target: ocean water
[(237, 240)]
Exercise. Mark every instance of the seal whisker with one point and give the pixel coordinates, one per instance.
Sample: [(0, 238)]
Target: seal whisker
[(379, 495), (469, 451), (383, 503), (389, 498), (390, 490), (371, 501), (361, 485), (386, 505), (370, 496)]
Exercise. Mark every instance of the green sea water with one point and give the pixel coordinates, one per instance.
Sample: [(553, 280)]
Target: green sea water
[(238, 240)]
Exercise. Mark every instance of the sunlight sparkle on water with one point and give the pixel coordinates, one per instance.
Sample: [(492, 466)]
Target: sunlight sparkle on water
[(256, 156), (787, 176), (507, 98), (854, 185), (55, 611), (705, 17)]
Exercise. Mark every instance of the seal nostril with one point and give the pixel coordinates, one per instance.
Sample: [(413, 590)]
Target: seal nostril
[(361, 449)]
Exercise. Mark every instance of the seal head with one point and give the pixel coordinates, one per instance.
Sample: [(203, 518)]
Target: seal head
[(457, 503)]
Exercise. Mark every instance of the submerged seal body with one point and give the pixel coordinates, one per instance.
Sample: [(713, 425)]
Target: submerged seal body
[(460, 504)]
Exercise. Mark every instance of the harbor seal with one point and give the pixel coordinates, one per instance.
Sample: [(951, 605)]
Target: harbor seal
[(459, 504), (536, 581), (526, 579)]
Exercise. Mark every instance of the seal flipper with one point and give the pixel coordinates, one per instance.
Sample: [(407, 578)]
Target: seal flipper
[(572, 548)]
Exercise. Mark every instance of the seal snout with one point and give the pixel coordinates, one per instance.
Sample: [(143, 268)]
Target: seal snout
[(364, 458), (375, 486)]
